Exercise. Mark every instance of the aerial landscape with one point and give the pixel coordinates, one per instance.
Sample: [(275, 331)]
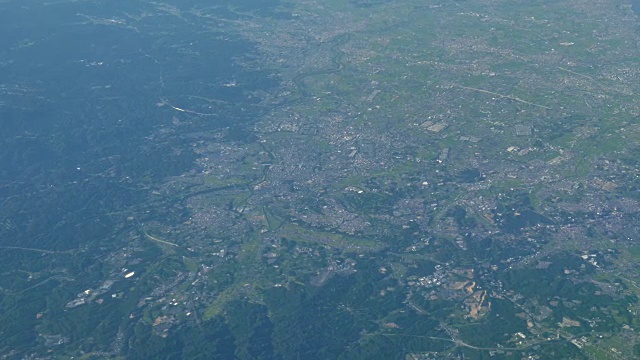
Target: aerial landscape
[(306, 179)]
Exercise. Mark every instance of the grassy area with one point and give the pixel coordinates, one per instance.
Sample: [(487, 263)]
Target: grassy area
[(305, 235), (190, 264), (247, 272), (218, 181), (217, 306), (273, 221), (634, 251)]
